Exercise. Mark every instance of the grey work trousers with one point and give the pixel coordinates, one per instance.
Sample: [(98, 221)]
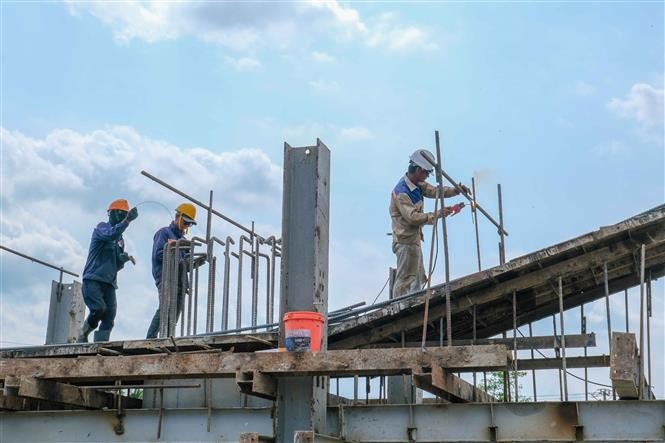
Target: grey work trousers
[(410, 275)]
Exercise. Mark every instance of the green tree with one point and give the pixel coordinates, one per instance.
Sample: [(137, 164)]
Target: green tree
[(495, 385)]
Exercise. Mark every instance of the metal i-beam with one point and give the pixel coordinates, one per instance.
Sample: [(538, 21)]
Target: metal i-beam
[(301, 402), (475, 422)]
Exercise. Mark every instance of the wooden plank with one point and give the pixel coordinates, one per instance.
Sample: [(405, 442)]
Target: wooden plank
[(536, 342), (624, 367), (594, 361), (278, 364), (449, 386)]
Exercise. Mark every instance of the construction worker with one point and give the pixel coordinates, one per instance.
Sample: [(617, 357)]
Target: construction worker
[(185, 216), (406, 212), (106, 256)]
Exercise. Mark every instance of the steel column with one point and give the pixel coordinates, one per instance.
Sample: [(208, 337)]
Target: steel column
[(301, 401)]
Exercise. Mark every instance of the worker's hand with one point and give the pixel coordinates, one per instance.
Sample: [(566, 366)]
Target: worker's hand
[(445, 212), (132, 214), (124, 257), (464, 188)]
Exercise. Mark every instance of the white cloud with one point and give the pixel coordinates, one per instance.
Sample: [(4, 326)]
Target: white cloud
[(356, 133), (324, 85), (245, 25), (384, 32), (643, 103), (243, 64), (584, 89), (322, 57)]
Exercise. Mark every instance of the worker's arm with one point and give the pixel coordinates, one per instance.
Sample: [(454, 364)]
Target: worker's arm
[(410, 212), (431, 191), (106, 232)]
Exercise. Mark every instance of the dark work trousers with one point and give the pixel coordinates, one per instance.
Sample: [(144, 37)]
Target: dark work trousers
[(153, 329), (100, 299)]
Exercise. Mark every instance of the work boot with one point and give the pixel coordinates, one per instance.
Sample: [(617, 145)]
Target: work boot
[(102, 335), (84, 331)]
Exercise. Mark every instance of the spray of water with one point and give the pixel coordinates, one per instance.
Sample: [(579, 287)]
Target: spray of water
[(155, 203)]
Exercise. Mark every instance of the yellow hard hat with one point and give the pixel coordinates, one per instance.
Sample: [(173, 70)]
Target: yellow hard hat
[(187, 211)]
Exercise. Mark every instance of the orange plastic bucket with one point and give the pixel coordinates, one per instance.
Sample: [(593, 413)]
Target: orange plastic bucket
[(303, 331)]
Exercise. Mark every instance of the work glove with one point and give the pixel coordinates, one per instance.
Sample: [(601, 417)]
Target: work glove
[(124, 257), (132, 214), (445, 212)]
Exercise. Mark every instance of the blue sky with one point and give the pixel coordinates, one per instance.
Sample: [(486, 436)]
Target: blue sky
[(561, 103)]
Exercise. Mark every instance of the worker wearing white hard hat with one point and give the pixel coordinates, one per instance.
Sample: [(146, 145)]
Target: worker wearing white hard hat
[(408, 217)]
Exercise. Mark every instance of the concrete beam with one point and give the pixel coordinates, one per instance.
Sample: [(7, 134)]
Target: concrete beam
[(450, 387), (536, 342), (624, 365), (277, 364), (63, 393)]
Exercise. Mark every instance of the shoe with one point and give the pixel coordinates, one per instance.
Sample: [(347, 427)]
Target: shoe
[(102, 335), (84, 331)]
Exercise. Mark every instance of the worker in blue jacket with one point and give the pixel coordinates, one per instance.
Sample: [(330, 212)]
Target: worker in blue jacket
[(106, 256), (185, 216)]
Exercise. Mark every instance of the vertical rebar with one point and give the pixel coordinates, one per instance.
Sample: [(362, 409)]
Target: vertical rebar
[(239, 296), (209, 256), (190, 289), (607, 306), (533, 371), (164, 291), (557, 354), (267, 257), (273, 258), (563, 342), (175, 289), (225, 295), (211, 295), (502, 244), (474, 342), (506, 378), (196, 298), (255, 281), (515, 346), (586, 369), (642, 265), (649, 380), (474, 212), (449, 322), (625, 293)]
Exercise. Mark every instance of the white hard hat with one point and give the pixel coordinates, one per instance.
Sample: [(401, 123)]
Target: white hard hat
[(424, 159)]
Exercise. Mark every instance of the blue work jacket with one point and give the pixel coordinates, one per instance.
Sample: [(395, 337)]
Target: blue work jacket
[(105, 253), (170, 232)]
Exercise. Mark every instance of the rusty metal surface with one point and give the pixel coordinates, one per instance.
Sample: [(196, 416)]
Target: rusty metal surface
[(625, 421)]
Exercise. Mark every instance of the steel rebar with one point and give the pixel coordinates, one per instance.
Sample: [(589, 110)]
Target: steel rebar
[(225, 294), (642, 270), (533, 371), (198, 202), (563, 342), (474, 212), (650, 380), (502, 243)]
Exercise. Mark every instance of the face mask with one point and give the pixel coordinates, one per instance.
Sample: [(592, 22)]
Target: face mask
[(116, 216)]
